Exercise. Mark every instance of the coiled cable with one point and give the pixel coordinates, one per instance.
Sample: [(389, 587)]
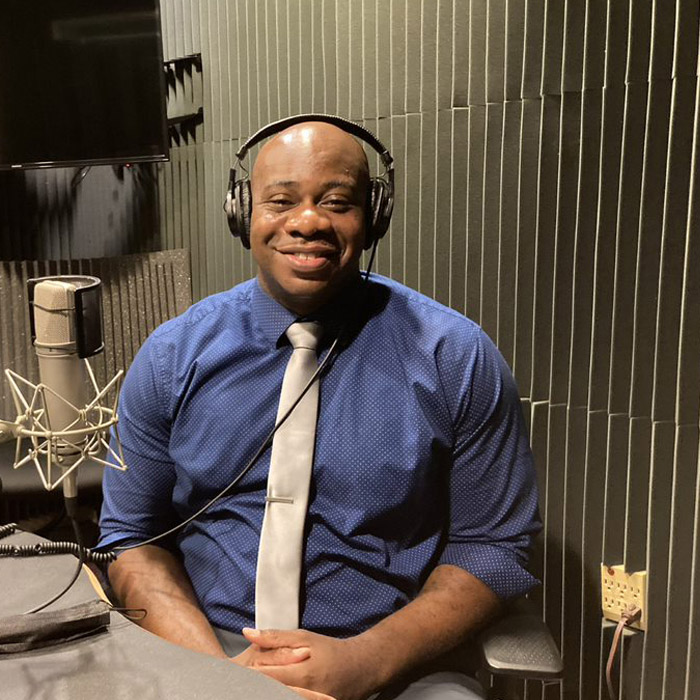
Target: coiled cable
[(40, 548), (7, 530)]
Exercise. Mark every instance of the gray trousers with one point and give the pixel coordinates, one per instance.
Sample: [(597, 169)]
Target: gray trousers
[(441, 685)]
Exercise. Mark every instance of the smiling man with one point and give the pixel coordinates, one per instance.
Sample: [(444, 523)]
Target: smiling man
[(308, 220), (422, 501)]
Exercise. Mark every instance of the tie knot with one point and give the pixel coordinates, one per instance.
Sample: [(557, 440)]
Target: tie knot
[(305, 334)]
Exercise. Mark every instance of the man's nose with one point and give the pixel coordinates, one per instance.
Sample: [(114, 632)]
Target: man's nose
[(307, 220)]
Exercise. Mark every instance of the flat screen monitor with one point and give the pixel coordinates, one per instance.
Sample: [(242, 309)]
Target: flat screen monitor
[(81, 83)]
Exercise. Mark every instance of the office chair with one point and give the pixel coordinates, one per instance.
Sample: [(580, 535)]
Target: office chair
[(519, 644)]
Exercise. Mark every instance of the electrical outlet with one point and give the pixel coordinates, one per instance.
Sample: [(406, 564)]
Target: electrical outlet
[(621, 591)]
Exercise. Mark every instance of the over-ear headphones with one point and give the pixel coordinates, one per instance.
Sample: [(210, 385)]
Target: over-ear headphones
[(238, 204)]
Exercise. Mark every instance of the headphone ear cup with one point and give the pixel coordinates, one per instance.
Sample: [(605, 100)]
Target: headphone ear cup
[(369, 215), (230, 204), (373, 200), (242, 210), (381, 206), (384, 218)]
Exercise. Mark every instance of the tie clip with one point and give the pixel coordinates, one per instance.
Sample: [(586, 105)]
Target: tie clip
[(278, 499)]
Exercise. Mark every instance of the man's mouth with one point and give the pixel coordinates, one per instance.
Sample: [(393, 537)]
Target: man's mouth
[(310, 260), (311, 256)]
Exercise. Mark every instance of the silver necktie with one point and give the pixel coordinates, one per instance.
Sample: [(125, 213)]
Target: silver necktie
[(278, 577)]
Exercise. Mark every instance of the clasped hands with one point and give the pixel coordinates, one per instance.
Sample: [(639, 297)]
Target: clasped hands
[(317, 667)]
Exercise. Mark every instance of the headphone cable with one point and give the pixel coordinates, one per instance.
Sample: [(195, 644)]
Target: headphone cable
[(266, 442), (107, 554), (263, 447)]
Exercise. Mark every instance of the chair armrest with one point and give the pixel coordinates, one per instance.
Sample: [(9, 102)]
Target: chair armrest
[(520, 644)]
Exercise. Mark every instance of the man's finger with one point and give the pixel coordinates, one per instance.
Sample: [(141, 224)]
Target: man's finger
[(254, 657), (271, 639), (310, 694), (281, 656), (291, 674)]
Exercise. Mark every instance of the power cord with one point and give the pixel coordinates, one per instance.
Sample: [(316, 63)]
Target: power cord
[(632, 614)]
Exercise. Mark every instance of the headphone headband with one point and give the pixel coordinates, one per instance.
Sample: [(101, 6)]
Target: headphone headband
[(345, 124)]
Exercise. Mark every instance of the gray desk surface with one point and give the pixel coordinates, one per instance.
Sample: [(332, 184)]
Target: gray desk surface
[(123, 663)]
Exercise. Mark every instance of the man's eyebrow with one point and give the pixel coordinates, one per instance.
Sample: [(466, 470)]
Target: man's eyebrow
[(281, 183), (338, 183), (328, 185)]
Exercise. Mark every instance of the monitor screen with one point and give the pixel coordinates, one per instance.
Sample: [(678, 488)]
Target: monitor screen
[(81, 82)]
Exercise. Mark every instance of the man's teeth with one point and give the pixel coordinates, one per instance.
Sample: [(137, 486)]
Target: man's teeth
[(307, 256)]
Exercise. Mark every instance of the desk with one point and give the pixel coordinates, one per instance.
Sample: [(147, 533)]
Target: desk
[(123, 663)]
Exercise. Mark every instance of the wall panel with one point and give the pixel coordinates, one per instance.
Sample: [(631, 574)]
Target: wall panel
[(507, 255)]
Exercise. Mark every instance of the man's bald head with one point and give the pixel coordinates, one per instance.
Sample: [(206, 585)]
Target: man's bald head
[(315, 140)]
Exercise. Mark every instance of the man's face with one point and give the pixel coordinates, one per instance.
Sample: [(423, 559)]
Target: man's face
[(309, 189)]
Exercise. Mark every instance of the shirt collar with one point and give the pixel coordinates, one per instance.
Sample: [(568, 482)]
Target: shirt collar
[(270, 316), (273, 319)]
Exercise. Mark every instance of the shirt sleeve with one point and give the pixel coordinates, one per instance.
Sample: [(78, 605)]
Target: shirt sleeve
[(493, 493), (137, 502)]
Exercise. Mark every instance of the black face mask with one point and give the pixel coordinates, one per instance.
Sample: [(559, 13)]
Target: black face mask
[(20, 633)]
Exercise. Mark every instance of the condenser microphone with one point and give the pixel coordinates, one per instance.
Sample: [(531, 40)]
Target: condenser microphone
[(59, 341), (66, 417)]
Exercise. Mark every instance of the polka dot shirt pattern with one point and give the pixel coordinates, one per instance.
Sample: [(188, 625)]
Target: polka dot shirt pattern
[(421, 453)]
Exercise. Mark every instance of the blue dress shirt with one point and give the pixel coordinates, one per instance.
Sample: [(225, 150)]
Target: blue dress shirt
[(421, 457)]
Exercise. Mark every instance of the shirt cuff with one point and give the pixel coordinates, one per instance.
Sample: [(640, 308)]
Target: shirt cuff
[(493, 565), (106, 543), (109, 541)]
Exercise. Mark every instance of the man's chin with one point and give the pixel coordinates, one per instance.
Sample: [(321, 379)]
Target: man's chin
[(305, 295)]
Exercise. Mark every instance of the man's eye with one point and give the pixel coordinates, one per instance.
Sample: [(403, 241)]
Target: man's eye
[(280, 202), (337, 203)]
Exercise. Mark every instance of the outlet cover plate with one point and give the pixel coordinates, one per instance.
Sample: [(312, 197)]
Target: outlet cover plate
[(620, 591)]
